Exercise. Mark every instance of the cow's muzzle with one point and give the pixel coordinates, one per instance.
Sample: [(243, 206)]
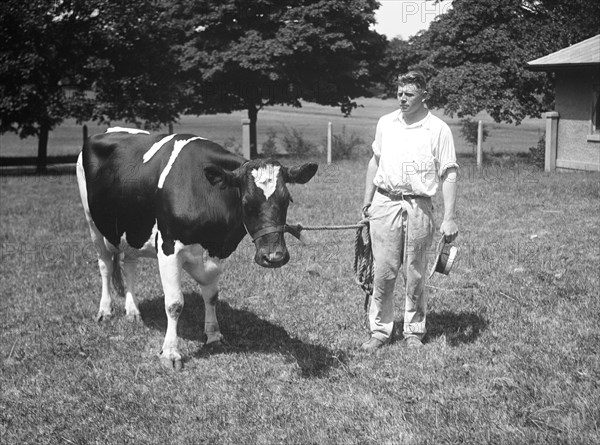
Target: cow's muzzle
[(271, 250)]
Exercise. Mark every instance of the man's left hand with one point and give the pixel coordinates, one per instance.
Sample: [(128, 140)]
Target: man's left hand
[(449, 229)]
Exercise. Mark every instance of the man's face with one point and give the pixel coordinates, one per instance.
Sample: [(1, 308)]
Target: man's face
[(410, 98)]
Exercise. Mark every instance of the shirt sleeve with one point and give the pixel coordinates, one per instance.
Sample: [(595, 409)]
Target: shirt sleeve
[(446, 153)]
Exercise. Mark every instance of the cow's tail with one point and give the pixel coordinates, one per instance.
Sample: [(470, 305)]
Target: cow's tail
[(117, 275)]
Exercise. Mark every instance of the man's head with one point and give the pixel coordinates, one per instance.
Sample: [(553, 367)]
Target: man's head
[(412, 92)]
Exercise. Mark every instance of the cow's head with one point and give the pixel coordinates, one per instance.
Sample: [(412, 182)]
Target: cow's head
[(265, 200)]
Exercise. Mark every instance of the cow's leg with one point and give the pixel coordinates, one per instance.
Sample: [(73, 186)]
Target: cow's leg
[(106, 266), (206, 272), (105, 256), (170, 275), (131, 304)]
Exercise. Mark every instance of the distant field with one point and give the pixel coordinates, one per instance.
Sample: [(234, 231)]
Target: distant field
[(311, 119)]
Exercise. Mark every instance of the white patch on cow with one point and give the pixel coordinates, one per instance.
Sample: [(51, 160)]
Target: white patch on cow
[(265, 178), (157, 146), (126, 130), (177, 147)]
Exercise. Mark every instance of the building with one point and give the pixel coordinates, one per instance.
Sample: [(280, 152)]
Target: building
[(573, 129)]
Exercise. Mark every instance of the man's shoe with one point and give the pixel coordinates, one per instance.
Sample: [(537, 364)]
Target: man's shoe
[(372, 344), (413, 342)]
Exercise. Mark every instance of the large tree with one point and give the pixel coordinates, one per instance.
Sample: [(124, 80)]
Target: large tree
[(41, 44), (476, 53), (113, 59), (242, 55)]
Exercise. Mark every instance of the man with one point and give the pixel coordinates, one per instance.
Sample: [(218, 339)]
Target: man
[(413, 153)]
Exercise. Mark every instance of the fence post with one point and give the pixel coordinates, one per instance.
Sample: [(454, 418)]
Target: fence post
[(329, 136), (246, 138), (85, 133), (479, 144), (551, 141)]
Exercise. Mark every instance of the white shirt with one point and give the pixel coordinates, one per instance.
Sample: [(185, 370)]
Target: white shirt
[(412, 158)]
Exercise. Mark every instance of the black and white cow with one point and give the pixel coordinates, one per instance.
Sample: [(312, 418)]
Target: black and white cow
[(186, 201)]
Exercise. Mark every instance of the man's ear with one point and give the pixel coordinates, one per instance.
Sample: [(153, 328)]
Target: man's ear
[(300, 174), (221, 177)]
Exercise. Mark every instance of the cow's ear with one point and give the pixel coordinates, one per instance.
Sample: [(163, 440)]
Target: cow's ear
[(300, 174), (221, 177)]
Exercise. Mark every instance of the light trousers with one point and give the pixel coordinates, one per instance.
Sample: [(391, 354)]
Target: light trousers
[(401, 234)]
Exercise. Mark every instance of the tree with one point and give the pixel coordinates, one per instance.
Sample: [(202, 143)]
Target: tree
[(248, 55), (399, 56), (134, 65), (476, 53), (41, 43), (120, 51)]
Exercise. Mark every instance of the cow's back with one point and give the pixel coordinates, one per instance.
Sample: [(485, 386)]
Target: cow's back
[(127, 196)]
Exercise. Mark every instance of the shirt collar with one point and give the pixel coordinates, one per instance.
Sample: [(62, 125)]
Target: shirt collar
[(422, 123)]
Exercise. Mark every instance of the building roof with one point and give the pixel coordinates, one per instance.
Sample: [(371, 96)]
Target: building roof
[(580, 55)]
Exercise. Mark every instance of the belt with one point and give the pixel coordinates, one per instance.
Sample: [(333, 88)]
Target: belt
[(399, 196)]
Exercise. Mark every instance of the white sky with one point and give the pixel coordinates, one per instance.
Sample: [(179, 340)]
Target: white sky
[(404, 18)]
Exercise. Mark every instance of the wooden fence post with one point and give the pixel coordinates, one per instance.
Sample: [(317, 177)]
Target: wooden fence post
[(246, 138), (479, 145), (329, 136)]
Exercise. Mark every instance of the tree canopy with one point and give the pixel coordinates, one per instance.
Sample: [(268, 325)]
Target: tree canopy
[(147, 61), (247, 55), (88, 59), (476, 54)]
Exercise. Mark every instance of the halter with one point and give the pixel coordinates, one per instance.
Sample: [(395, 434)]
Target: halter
[(292, 230)]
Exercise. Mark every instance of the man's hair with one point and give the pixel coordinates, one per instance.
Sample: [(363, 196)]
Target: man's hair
[(413, 78)]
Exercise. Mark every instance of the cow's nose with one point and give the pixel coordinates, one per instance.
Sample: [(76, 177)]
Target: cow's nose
[(275, 258)]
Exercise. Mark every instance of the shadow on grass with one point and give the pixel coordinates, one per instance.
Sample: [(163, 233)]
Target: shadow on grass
[(243, 331), (461, 328)]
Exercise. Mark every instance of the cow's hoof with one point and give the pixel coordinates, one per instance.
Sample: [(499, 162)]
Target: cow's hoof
[(171, 361), (217, 346), (103, 316), (134, 318)]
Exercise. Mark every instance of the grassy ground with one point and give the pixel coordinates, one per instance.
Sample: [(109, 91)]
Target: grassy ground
[(311, 120), (511, 355)]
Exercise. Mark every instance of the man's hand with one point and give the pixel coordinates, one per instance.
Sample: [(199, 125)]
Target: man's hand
[(449, 229), (364, 214)]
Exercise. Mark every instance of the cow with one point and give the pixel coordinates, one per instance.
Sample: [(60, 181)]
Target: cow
[(186, 201)]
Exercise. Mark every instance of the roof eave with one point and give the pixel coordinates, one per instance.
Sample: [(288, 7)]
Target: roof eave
[(562, 66)]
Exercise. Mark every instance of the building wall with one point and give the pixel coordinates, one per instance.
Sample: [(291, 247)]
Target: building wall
[(577, 147)]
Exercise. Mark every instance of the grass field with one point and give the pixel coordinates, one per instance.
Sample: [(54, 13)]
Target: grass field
[(310, 119), (511, 354)]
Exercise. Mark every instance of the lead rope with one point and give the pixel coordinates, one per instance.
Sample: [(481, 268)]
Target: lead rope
[(363, 262), (363, 255)]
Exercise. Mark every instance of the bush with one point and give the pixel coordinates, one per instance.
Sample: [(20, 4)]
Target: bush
[(537, 154), (469, 129), (344, 146), (295, 143), (232, 145), (269, 147)]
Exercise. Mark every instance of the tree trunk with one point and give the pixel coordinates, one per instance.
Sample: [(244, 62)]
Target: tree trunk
[(42, 157), (252, 115)]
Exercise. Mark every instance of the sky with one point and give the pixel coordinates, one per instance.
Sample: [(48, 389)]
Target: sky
[(404, 18)]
